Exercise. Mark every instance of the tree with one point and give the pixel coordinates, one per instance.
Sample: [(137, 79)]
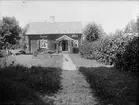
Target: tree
[(92, 32), (131, 27), (138, 24), (24, 39), (9, 31), (1, 42), (118, 32)]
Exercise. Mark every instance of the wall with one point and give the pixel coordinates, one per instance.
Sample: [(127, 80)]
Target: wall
[(50, 38)]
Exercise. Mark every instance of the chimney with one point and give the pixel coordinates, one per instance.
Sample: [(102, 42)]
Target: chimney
[(52, 19)]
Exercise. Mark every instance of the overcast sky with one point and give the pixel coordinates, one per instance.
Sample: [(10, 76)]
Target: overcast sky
[(110, 14)]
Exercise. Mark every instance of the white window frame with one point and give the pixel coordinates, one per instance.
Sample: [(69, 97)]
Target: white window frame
[(43, 44)]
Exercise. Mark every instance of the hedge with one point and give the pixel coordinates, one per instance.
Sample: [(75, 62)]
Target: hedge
[(128, 61), (113, 50), (75, 50)]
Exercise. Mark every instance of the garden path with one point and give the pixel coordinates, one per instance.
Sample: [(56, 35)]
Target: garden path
[(67, 63), (75, 89)]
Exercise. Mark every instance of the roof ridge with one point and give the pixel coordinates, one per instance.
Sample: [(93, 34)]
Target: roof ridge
[(56, 22), (56, 27)]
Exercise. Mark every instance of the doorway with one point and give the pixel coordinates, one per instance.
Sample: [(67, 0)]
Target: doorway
[(64, 45)]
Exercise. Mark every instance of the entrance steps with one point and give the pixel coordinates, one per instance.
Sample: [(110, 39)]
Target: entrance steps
[(65, 52)]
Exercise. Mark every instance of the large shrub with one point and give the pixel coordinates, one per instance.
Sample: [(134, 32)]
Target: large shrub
[(105, 49), (111, 46), (75, 50), (128, 60)]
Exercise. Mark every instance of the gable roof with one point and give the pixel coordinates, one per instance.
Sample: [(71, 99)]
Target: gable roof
[(54, 28), (64, 37)]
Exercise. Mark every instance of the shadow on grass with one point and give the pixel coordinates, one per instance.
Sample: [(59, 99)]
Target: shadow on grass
[(111, 86), (19, 84)]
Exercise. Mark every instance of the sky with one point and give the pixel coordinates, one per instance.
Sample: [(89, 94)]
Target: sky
[(111, 15)]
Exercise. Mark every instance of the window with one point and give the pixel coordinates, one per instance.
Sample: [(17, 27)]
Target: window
[(43, 44)]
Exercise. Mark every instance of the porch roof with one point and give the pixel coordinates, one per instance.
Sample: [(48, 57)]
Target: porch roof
[(65, 37)]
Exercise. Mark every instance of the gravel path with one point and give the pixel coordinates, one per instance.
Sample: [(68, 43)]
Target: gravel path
[(75, 90), (67, 63)]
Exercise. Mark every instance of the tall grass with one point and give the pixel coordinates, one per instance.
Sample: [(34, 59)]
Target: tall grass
[(111, 86), (19, 84)]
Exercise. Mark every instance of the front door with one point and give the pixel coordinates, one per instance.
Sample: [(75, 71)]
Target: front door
[(64, 45)]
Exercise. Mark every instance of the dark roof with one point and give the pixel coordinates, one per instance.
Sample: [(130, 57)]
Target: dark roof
[(54, 28)]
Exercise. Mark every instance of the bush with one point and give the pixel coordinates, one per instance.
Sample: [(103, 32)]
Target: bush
[(3, 53), (120, 51), (49, 51), (75, 50), (127, 61), (105, 49), (43, 51), (35, 53), (85, 49)]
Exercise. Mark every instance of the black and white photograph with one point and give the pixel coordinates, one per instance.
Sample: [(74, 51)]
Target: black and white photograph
[(69, 52)]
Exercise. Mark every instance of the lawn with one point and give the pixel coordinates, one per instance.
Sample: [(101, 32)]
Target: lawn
[(23, 85), (111, 86), (79, 62), (44, 60), (29, 79)]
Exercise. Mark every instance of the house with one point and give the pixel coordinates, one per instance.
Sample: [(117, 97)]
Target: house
[(59, 36)]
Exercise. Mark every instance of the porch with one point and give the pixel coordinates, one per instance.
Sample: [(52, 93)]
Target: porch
[(64, 44)]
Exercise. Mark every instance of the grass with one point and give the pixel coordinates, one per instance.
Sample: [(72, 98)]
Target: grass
[(51, 60), (44, 60), (8, 60), (81, 62), (19, 84), (111, 86)]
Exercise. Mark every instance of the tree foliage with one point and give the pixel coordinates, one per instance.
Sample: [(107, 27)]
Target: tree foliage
[(108, 47), (118, 49), (138, 24), (131, 27), (9, 31), (92, 32), (24, 40), (128, 60), (105, 49)]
